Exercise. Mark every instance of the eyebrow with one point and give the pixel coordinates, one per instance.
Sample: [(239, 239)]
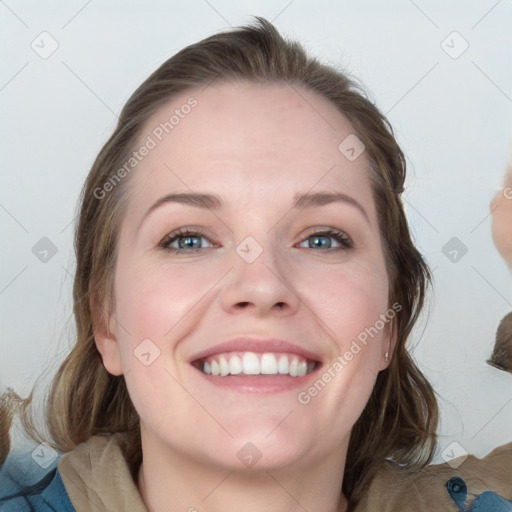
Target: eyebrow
[(214, 202)]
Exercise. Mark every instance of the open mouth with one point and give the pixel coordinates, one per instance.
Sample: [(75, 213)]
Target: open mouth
[(254, 363)]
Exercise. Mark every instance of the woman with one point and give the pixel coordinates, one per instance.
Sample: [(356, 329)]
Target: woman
[(245, 287)]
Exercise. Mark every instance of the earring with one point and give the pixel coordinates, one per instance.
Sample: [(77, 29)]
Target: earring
[(386, 356)]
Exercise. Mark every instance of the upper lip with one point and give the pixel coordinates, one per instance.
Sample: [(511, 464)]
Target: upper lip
[(258, 345)]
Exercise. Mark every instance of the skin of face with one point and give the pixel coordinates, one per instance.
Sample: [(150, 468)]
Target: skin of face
[(501, 208), (256, 146)]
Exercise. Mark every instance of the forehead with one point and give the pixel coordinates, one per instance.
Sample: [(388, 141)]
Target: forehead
[(259, 139)]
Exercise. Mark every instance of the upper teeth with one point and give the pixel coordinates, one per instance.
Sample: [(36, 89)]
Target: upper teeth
[(251, 363)]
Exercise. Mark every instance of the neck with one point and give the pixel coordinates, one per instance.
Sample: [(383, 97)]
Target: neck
[(192, 485)]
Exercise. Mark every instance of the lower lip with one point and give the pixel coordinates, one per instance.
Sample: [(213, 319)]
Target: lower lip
[(259, 383)]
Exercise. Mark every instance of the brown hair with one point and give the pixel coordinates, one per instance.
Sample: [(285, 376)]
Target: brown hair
[(8, 401), (502, 354), (400, 419)]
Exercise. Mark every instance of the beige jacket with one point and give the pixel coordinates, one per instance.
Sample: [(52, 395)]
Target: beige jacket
[(97, 477), (425, 491)]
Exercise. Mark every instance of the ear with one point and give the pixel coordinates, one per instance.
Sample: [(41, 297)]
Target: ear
[(388, 345), (105, 337)]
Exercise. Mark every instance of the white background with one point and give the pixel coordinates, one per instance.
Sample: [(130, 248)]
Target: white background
[(452, 117)]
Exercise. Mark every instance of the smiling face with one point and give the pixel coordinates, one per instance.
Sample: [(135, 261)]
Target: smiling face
[(262, 261)]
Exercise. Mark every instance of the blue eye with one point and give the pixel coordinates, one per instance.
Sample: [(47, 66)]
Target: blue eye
[(321, 239), (187, 239), (190, 241)]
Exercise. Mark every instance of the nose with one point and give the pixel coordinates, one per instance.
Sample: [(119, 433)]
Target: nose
[(264, 286)]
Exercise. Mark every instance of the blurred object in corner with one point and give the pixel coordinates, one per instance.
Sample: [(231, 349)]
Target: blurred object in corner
[(502, 354), (501, 209)]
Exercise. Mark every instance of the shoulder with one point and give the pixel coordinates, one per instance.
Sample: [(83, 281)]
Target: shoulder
[(94, 474), (455, 485), (48, 494), (97, 475)]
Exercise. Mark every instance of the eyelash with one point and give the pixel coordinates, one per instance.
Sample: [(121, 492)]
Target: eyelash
[(344, 240)]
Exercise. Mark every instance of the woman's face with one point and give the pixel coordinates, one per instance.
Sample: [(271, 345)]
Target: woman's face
[(252, 268), (501, 208)]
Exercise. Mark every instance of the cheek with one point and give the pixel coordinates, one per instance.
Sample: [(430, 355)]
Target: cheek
[(153, 299), (344, 386), (154, 304), (354, 310), (348, 300)]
